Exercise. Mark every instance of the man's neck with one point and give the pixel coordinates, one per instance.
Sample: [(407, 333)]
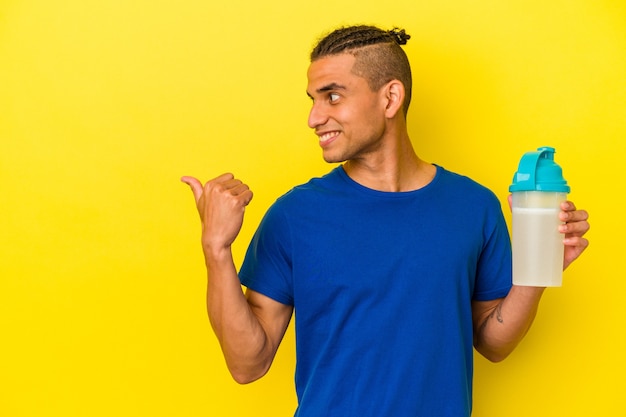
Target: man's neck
[(396, 170)]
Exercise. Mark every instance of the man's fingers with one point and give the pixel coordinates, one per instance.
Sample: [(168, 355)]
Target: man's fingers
[(195, 185), (578, 228), (246, 195), (224, 183), (574, 216), (568, 206), (238, 189)]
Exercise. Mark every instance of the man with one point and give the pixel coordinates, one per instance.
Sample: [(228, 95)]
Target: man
[(395, 267)]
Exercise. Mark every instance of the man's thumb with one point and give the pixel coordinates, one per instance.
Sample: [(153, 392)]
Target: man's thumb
[(195, 185)]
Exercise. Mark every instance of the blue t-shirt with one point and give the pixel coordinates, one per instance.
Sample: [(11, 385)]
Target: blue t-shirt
[(382, 285)]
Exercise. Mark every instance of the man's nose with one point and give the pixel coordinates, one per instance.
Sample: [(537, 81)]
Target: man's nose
[(317, 116)]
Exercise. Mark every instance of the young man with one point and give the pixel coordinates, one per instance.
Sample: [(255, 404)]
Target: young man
[(395, 267)]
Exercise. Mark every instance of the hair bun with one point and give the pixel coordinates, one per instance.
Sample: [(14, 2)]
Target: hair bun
[(400, 36)]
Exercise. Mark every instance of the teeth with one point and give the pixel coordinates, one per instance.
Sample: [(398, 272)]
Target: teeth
[(327, 136)]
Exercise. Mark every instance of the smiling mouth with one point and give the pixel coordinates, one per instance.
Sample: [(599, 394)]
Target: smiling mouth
[(328, 137)]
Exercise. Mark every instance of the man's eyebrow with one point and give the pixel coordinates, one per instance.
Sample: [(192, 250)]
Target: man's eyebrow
[(328, 87)]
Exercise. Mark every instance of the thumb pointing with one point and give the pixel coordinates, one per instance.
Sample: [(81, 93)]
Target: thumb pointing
[(195, 185)]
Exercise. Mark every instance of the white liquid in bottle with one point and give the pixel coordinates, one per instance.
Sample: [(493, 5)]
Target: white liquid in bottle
[(537, 247)]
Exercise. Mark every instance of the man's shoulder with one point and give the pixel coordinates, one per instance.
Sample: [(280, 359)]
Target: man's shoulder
[(314, 186), (460, 179), (464, 185)]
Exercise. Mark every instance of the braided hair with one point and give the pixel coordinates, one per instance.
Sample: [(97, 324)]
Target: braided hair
[(379, 57)]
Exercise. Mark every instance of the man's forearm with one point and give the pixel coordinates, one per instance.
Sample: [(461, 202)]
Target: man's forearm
[(508, 322), (241, 336)]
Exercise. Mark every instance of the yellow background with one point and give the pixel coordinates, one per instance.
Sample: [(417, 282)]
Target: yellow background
[(105, 104)]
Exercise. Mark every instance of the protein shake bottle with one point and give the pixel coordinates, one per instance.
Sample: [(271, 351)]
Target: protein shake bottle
[(538, 189)]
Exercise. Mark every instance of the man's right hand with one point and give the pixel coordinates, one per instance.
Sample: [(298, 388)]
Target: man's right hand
[(221, 204)]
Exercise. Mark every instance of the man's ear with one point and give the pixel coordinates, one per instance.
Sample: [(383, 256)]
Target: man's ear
[(394, 96)]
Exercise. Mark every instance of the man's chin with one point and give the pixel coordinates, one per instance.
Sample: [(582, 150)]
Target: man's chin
[(333, 159)]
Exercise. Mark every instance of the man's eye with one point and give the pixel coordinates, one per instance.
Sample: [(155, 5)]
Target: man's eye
[(333, 97)]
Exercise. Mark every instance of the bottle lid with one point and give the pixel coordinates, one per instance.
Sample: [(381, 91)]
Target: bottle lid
[(537, 171)]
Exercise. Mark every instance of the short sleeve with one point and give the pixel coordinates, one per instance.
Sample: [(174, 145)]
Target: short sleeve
[(494, 270), (267, 266)]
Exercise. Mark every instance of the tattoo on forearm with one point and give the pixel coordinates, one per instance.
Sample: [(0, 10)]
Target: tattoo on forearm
[(499, 314)]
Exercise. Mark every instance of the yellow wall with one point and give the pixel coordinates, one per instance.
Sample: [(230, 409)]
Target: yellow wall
[(105, 104)]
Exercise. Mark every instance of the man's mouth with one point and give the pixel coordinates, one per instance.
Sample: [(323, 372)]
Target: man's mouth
[(326, 138)]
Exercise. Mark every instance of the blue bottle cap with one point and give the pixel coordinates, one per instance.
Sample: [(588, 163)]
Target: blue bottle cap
[(537, 171)]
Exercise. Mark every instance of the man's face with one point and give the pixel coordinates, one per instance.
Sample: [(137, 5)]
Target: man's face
[(348, 117)]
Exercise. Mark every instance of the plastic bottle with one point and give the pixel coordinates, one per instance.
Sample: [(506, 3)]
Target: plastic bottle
[(538, 189)]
